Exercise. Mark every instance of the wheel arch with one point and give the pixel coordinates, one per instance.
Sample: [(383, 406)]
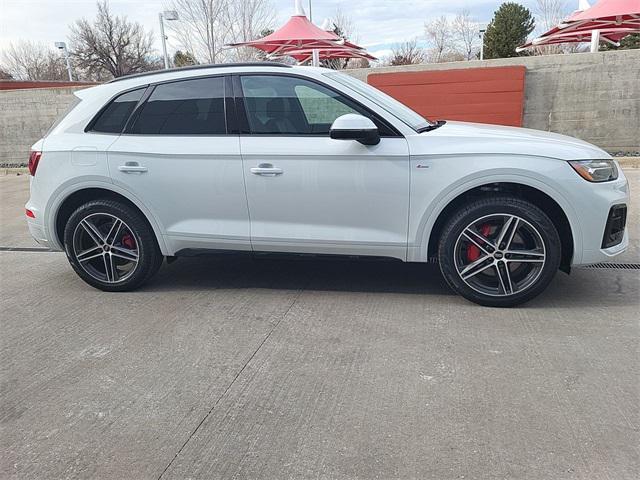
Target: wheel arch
[(537, 196), (71, 200)]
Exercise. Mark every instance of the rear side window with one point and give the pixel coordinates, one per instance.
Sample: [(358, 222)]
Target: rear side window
[(188, 107), (113, 118)]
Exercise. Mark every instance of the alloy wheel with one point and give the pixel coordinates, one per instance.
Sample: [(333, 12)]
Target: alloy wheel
[(106, 248), (499, 255)]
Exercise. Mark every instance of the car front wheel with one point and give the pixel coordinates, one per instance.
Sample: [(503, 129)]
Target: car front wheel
[(111, 246), (499, 252)]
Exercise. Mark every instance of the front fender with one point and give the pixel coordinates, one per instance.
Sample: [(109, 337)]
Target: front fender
[(426, 206)]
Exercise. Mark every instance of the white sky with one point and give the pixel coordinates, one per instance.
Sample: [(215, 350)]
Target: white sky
[(379, 23)]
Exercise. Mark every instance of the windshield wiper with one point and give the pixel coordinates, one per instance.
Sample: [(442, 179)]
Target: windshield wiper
[(432, 127)]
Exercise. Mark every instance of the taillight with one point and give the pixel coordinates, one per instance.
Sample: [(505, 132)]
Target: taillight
[(34, 159)]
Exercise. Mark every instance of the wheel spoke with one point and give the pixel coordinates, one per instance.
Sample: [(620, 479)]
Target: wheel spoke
[(476, 271), (110, 269), (508, 232), (466, 270), (478, 240), (89, 254), (525, 256), (125, 253), (505, 278), (124, 257), (113, 232), (92, 231)]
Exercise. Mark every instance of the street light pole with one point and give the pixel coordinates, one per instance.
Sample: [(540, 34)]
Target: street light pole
[(310, 12), (482, 32), (63, 46), (162, 16)]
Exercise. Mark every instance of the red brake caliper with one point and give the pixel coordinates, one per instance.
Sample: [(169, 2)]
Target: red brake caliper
[(128, 241), (473, 252)]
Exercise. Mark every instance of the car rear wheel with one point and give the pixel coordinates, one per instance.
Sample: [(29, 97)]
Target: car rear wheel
[(111, 246), (499, 252)]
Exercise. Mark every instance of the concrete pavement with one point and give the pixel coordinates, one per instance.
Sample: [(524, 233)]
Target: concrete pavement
[(230, 367)]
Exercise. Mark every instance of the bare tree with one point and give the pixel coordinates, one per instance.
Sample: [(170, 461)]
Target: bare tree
[(111, 44), (550, 13), (202, 27), (248, 19), (26, 60), (4, 75), (359, 63), (465, 31), (406, 53), (206, 26), (343, 26), (439, 36)]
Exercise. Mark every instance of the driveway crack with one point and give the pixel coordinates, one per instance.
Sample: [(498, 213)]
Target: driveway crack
[(264, 340)]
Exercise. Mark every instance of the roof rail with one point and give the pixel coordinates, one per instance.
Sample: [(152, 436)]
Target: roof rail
[(202, 67)]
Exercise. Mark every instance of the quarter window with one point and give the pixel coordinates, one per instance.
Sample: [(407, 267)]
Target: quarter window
[(282, 105), (189, 107), (113, 118)]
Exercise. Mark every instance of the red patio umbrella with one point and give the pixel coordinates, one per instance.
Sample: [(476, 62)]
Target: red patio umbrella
[(608, 20), (302, 36), (341, 51)]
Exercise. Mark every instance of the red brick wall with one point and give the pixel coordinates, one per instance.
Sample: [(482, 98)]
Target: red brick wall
[(485, 95), (19, 84)]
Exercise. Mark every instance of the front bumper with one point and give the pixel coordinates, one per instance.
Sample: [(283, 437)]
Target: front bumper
[(595, 208)]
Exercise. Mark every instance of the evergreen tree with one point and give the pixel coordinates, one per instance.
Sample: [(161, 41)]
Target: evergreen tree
[(627, 43), (511, 25), (183, 59)]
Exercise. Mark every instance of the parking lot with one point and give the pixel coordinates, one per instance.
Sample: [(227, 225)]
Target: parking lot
[(233, 367)]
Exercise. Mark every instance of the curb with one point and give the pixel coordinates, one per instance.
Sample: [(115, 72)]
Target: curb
[(629, 162)]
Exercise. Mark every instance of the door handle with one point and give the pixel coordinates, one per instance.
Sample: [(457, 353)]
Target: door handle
[(132, 167), (266, 170)]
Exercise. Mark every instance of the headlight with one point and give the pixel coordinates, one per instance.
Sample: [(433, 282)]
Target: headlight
[(596, 170)]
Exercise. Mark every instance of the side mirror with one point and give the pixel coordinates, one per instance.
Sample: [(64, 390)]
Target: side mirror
[(355, 127)]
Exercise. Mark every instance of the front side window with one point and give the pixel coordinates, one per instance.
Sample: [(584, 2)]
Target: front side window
[(113, 118), (282, 105), (188, 107)]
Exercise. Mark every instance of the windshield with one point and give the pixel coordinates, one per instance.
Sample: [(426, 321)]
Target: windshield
[(391, 105)]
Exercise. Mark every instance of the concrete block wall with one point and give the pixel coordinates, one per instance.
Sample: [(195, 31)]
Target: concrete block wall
[(25, 116), (592, 96)]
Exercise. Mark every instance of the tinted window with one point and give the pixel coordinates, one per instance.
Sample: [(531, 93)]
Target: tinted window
[(295, 106), (113, 118), (190, 107)]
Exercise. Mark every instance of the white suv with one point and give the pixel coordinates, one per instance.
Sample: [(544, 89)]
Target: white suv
[(270, 158)]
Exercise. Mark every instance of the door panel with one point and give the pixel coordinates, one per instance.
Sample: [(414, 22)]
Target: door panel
[(194, 185), (177, 158), (309, 193), (332, 196)]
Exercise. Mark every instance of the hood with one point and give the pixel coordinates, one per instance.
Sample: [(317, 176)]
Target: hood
[(478, 138)]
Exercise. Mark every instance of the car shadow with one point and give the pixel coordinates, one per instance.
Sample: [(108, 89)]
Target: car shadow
[(294, 273), (336, 274)]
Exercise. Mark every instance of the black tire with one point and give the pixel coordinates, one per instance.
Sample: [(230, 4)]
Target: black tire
[(143, 256), (454, 245)]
